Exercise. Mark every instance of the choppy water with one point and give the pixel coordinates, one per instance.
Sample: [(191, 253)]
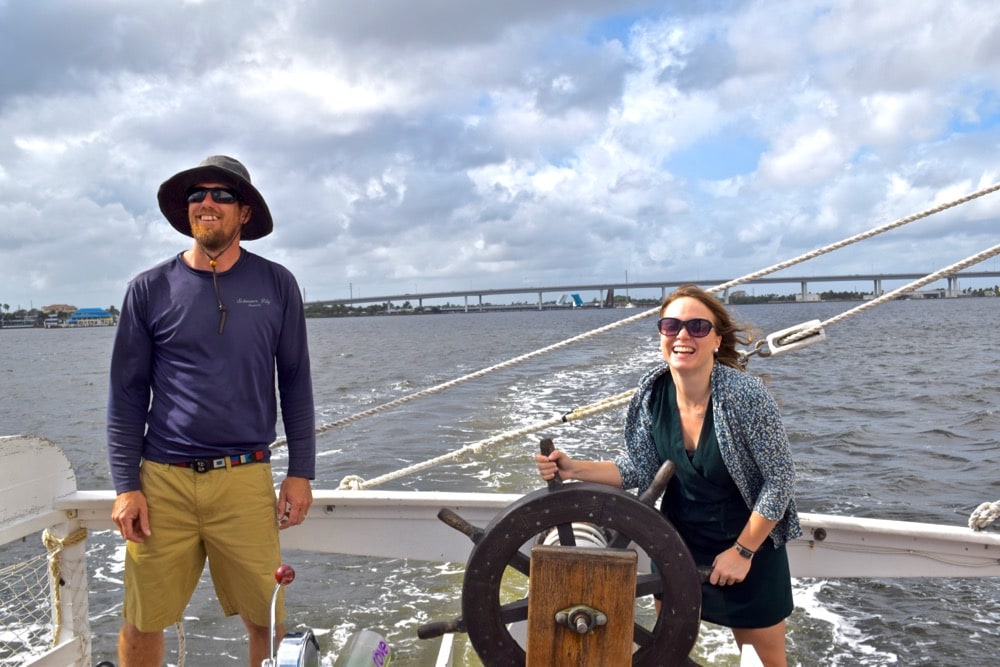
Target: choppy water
[(895, 416)]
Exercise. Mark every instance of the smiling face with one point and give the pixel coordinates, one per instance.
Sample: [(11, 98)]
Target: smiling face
[(684, 352), (214, 225)]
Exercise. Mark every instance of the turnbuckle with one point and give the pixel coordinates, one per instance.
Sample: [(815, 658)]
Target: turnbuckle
[(788, 339), (795, 337)]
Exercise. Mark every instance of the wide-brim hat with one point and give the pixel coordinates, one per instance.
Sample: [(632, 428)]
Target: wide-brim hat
[(215, 169)]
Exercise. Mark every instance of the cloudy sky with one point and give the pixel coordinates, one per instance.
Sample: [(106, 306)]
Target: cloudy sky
[(414, 146)]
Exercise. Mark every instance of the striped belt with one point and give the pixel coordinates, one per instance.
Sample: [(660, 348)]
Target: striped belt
[(204, 465)]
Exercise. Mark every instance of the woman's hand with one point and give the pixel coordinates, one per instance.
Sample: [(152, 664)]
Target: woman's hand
[(556, 462), (729, 568), (602, 472)]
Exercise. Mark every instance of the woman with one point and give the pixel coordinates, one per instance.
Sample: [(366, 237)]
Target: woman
[(731, 495)]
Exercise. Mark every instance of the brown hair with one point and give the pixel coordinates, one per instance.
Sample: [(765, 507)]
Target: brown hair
[(732, 332)]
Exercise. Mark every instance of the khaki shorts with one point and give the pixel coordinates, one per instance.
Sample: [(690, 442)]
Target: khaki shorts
[(226, 515)]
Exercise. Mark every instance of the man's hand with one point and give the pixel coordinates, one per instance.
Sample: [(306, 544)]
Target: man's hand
[(294, 501), (131, 515)]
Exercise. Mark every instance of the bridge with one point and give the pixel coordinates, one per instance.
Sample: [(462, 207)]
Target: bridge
[(665, 287)]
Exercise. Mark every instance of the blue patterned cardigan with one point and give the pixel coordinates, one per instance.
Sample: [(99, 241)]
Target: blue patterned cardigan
[(751, 438)]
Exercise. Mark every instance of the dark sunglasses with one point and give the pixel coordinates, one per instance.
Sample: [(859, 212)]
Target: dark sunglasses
[(698, 327), (219, 195)]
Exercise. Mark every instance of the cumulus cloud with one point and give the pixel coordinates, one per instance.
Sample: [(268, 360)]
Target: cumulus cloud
[(444, 145)]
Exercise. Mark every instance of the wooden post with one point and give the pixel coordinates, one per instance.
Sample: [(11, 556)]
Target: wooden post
[(565, 577)]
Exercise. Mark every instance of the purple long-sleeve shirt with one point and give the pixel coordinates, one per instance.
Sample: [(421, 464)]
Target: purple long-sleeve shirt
[(179, 390)]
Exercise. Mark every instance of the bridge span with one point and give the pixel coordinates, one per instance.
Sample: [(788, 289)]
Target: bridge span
[(665, 287)]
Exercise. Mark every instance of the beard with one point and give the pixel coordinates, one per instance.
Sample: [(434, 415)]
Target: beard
[(213, 238)]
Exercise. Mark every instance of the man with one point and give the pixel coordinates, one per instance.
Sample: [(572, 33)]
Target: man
[(192, 410)]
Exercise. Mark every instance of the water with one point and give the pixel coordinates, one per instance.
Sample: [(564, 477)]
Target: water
[(895, 417)]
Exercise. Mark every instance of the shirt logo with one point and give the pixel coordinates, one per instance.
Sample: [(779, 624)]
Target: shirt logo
[(254, 303)]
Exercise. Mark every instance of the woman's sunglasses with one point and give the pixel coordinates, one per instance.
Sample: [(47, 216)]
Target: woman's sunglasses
[(697, 328), (219, 195)]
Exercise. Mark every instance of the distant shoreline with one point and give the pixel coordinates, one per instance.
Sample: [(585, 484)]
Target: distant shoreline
[(320, 311)]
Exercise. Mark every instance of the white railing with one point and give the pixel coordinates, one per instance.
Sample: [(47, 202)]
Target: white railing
[(38, 496)]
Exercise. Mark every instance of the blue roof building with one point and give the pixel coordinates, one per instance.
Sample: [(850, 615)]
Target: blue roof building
[(91, 317)]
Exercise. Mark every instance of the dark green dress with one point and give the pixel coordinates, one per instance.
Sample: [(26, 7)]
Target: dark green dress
[(705, 506)]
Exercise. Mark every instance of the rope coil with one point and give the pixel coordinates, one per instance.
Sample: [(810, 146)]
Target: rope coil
[(984, 515)]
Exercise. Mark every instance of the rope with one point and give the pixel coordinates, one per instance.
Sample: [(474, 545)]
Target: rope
[(55, 546), (635, 318), (471, 376), (917, 284), (895, 294), (357, 483), (858, 237), (984, 515), (181, 644)]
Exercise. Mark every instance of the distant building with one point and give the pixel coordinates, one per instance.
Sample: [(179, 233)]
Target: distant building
[(91, 317), (939, 293), (17, 323), (58, 308)]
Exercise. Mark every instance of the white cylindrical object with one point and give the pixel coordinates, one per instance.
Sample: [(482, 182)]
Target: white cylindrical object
[(366, 648), (586, 535)]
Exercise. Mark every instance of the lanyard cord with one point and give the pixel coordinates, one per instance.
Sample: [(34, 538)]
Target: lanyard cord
[(215, 277)]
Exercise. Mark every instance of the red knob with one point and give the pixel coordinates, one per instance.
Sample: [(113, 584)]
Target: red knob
[(284, 575)]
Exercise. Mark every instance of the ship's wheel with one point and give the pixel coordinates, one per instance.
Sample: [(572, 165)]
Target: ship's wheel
[(623, 516)]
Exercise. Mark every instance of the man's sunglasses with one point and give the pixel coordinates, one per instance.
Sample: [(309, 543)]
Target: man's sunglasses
[(219, 195), (697, 328)]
